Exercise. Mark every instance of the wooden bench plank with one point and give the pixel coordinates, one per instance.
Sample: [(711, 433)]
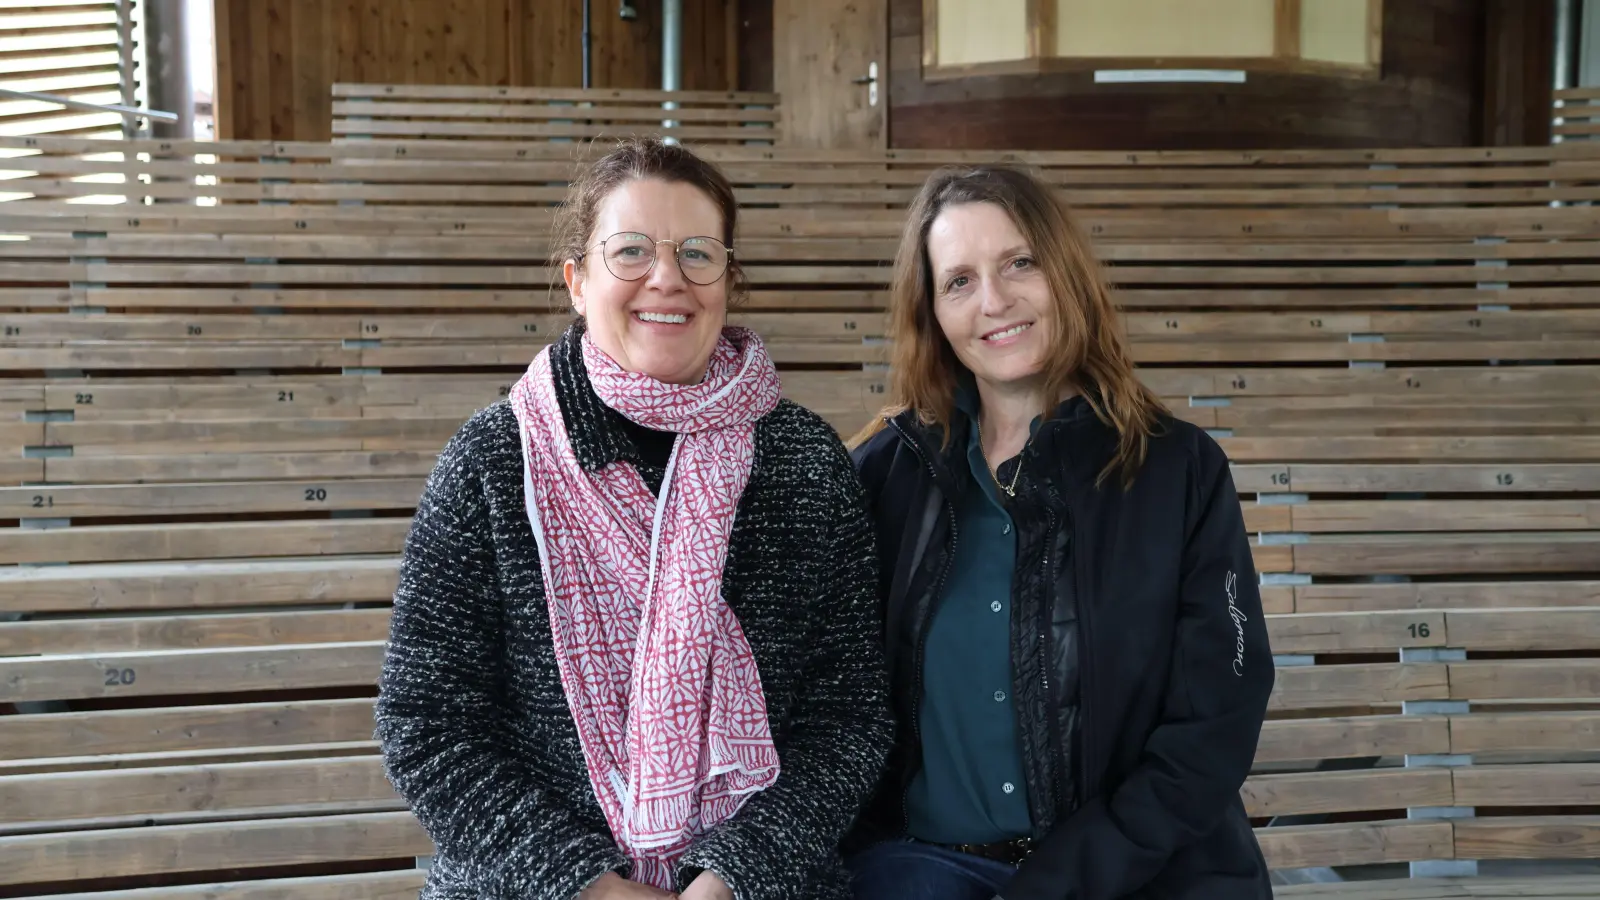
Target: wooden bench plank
[(354, 111), (1352, 844), (189, 729), (1293, 740), (109, 635), (113, 399), (227, 755), (1544, 784), (1412, 449), (170, 672), (1424, 554), (1472, 478), (1310, 687), (113, 356), (252, 435), (147, 585), (398, 885), (1553, 732), (203, 540), (1445, 515), (1344, 632), (1544, 679), (72, 501), (1544, 887), (286, 464), (171, 849), (157, 794), (1335, 792), (1532, 837), (1476, 595), (1525, 629), (346, 89)]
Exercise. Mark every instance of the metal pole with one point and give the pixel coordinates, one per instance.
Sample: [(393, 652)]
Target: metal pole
[(1566, 37), (588, 39), (167, 51), (125, 111), (671, 54)]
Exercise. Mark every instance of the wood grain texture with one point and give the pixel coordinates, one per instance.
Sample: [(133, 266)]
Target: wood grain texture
[(1517, 71), (163, 792), (1348, 632), (1546, 679), (1556, 837), (192, 729), (1543, 732), (1335, 738), (1549, 784), (1537, 887), (149, 585), (399, 885), (1335, 792), (168, 673), (277, 59), (200, 848), (188, 632), (1300, 846), (1311, 687), (138, 543)]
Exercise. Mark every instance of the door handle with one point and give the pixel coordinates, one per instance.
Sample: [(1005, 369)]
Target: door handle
[(871, 81)]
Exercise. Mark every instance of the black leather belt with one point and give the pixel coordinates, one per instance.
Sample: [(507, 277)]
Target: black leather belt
[(1011, 852)]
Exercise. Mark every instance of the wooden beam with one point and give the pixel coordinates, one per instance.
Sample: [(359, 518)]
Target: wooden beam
[(222, 97), (1375, 35), (1286, 29), (930, 33), (730, 20), (1041, 19)]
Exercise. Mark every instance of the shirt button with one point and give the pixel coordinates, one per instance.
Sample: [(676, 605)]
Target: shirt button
[(1006, 529), (1008, 787), (995, 606), (999, 696)]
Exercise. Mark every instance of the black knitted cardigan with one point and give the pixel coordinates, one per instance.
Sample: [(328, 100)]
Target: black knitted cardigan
[(472, 718)]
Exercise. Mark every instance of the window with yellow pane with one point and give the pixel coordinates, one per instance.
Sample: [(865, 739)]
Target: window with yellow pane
[(971, 37)]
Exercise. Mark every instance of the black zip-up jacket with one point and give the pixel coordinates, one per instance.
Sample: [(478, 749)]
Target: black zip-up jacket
[(1141, 662)]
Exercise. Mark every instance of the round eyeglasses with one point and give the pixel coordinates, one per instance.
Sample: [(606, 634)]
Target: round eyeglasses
[(630, 256)]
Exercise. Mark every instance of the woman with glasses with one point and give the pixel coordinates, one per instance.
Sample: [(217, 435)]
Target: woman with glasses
[(634, 651), (1079, 666)]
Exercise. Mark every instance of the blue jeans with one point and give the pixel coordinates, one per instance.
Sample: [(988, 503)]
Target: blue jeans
[(912, 870)]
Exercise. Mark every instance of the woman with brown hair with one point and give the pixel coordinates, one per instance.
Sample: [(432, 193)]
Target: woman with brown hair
[(634, 651), (1078, 663)]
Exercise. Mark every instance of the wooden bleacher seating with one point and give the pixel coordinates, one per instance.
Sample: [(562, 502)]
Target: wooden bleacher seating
[(460, 112), (1575, 114), (218, 419)]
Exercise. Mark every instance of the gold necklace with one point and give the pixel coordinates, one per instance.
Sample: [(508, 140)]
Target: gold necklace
[(1012, 490)]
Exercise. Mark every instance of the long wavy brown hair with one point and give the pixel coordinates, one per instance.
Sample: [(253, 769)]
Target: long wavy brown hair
[(1089, 350)]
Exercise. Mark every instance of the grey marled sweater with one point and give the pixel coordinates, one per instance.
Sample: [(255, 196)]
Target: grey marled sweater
[(472, 718)]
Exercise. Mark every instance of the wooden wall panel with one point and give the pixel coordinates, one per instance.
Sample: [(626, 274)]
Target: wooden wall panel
[(1431, 93), (277, 60), (1518, 76), (755, 45)]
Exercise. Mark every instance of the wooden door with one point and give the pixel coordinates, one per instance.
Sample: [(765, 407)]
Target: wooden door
[(830, 68)]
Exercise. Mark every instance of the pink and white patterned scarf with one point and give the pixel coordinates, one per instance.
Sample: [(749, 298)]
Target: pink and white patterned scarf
[(658, 674)]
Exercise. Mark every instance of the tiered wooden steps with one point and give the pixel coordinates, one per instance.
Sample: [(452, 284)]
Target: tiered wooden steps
[(220, 416), (462, 112)]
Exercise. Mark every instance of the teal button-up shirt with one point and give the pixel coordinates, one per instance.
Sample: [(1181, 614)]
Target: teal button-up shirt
[(970, 788)]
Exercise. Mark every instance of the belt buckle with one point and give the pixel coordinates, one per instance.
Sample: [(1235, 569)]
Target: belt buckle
[(1024, 848)]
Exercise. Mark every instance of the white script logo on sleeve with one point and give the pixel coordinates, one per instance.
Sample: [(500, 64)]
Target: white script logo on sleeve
[(1231, 586)]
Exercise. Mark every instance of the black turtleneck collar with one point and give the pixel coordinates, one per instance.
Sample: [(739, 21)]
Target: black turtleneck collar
[(600, 435)]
